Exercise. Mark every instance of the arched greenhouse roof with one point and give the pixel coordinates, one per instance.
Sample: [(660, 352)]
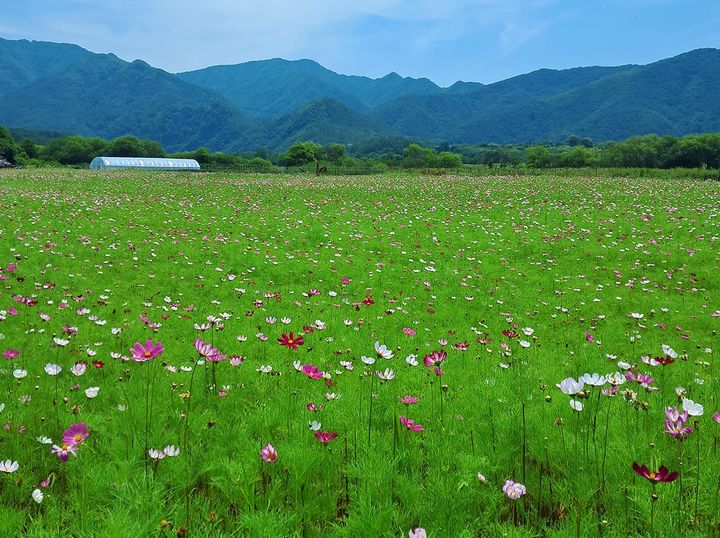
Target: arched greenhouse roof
[(118, 163)]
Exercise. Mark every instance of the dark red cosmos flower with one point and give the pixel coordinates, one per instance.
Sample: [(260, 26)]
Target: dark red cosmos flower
[(98, 364), (291, 340), (662, 474), (509, 333), (664, 360)]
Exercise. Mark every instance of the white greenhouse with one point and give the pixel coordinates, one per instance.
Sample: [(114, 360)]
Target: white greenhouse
[(124, 163)]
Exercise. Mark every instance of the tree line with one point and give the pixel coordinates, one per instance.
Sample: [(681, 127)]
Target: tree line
[(647, 151)]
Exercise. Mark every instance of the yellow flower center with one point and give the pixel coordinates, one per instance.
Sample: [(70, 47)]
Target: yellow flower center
[(78, 437), (147, 353), (652, 476)]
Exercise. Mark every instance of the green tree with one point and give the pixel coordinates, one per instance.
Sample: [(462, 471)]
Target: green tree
[(447, 159), (415, 156), (301, 153), (538, 157), (29, 148), (335, 152)]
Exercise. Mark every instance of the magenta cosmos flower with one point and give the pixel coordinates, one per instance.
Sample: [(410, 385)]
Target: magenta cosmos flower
[(145, 352), (206, 350), (268, 453), (312, 371), (410, 424), (63, 452), (409, 399), (11, 354), (325, 437), (661, 475), (76, 434), (434, 358)]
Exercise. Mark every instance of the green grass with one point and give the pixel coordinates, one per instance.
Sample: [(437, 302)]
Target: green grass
[(452, 258)]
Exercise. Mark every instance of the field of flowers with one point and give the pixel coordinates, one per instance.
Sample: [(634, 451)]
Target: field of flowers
[(217, 355)]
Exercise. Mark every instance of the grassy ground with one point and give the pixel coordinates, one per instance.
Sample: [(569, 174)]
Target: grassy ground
[(581, 273)]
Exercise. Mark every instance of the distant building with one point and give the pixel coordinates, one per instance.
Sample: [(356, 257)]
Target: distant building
[(142, 163)]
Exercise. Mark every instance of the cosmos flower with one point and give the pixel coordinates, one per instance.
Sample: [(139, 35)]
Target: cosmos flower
[(52, 369), (312, 371), (570, 387), (513, 490), (37, 496), (11, 354), (661, 475), (268, 453), (9, 466), (693, 409), (386, 375), (63, 452), (410, 424), (382, 351), (417, 532), (325, 437), (75, 434), (434, 358), (409, 400), (291, 341), (146, 352)]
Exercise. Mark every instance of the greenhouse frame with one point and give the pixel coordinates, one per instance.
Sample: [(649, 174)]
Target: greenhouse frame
[(140, 163)]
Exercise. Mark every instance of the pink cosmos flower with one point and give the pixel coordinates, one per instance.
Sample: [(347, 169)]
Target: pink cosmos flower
[(409, 331), (325, 437), (146, 352), (417, 532), (311, 407), (409, 400), (434, 358), (410, 424), (11, 354), (312, 371), (716, 417), (205, 349), (268, 453), (76, 434), (589, 337)]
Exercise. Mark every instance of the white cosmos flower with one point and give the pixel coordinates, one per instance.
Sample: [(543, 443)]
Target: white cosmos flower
[(60, 342), (383, 351), (594, 380), (576, 405), (367, 360), (524, 343), (348, 322), (693, 409), (19, 374), (332, 293), (37, 496), (669, 352), (2, 407), (387, 375), (319, 325), (156, 454), (314, 425), (285, 320), (347, 365), (411, 360), (171, 451), (116, 330), (527, 331), (569, 386), (52, 369), (9, 466), (265, 368), (624, 365), (636, 315), (186, 368), (617, 378), (78, 369), (43, 440), (298, 365), (92, 392), (270, 320)]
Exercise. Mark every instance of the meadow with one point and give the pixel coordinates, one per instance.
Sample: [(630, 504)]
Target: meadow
[(400, 355)]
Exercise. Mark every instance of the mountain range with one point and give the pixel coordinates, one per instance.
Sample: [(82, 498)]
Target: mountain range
[(273, 103)]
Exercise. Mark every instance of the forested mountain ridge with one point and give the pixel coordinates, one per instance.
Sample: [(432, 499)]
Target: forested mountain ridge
[(272, 103)]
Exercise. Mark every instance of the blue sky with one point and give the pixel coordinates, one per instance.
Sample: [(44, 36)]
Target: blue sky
[(481, 40)]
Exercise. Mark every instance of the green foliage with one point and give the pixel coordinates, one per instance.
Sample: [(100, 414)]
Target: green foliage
[(335, 152), (301, 153), (130, 146)]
